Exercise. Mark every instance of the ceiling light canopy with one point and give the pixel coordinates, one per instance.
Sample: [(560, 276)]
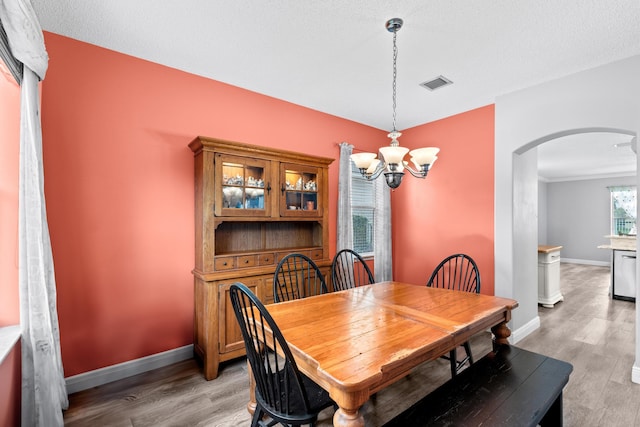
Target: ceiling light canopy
[(391, 161)]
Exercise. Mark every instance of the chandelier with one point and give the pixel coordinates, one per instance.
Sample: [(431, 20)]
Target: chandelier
[(391, 161)]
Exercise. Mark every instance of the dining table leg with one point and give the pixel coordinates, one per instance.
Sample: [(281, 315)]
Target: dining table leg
[(501, 333), (251, 406), (347, 418)]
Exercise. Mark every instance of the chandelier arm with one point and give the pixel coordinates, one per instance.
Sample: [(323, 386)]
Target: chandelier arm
[(417, 174), (376, 173)]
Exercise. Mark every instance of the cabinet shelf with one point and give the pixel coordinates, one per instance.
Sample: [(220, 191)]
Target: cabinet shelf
[(235, 237)]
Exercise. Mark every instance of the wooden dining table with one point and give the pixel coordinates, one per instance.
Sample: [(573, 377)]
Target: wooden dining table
[(354, 343)]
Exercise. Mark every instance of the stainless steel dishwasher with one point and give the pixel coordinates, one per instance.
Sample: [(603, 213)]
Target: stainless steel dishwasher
[(624, 275)]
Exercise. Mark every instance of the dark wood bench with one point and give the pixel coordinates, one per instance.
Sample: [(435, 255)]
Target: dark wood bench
[(507, 387)]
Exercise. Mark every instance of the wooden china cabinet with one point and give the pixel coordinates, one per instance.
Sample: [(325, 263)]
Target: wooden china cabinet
[(253, 206)]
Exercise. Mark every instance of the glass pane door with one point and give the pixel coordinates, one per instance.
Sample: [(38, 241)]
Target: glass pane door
[(300, 191), (243, 186)]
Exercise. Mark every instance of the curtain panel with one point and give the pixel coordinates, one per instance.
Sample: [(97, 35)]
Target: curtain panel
[(344, 238), (382, 229), (44, 393), (382, 257)]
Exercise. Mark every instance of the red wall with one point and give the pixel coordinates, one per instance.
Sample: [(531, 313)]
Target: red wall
[(119, 189), (452, 210)]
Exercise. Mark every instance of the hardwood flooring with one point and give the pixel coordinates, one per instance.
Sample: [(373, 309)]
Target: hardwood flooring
[(588, 329), (596, 335)]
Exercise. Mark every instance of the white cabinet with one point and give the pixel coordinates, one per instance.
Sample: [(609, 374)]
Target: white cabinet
[(549, 275)]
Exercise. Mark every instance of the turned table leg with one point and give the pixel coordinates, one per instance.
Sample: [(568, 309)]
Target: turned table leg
[(347, 418), (501, 334), (251, 406)]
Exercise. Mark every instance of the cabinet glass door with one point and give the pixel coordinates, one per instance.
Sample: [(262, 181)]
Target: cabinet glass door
[(299, 190), (244, 187)]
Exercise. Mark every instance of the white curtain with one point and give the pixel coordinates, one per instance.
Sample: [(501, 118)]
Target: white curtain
[(44, 393), (345, 220), (382, 253)]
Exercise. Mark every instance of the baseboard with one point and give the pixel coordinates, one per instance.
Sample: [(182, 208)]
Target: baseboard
[(586, 262), (520, 333), (108, 374)]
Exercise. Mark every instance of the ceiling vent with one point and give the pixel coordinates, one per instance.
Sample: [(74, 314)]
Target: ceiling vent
[(436, 83)]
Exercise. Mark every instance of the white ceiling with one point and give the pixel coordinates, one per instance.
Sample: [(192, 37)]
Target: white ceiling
[(586, 156), (335, 56)]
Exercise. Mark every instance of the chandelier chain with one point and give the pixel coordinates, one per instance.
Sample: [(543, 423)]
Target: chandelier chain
[(390, 161), (395, 58)]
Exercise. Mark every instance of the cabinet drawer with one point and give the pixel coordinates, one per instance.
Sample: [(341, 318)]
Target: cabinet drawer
[(284, 254), (281, 255), (549, 257), (266, 259), (315, 254), (246, 261), (224, 263)]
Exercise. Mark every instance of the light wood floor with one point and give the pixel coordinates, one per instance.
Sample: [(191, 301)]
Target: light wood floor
[(588, 329)]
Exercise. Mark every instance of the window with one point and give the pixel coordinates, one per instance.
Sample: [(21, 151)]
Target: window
[(623, 210), (9, 177), (362, 212)]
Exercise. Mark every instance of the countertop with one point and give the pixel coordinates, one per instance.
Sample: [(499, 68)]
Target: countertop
[(545, 249), (620, 243), (617, 247)]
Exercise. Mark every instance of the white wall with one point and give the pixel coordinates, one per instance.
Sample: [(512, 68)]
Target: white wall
[(525, 183), (579, 216), (542, 214), (606, 98)]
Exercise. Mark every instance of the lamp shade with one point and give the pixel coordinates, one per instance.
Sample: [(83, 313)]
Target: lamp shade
[(374, 165), (363, 160), (424, 156), (419, 166), (393, 154)]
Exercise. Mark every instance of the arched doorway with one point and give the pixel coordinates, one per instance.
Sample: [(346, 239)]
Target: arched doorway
[(525, 119)]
